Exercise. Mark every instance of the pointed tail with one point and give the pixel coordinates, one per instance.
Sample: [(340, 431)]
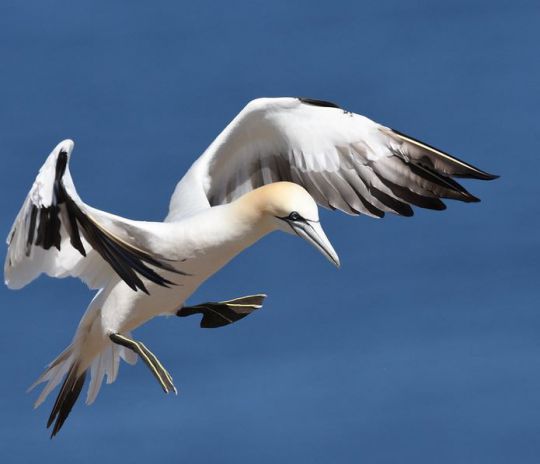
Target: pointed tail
[(72, 367)]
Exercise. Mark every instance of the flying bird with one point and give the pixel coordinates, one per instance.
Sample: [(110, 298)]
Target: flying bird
[(269, 169)]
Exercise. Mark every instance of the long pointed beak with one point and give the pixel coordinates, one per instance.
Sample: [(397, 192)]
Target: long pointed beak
[(313, 233)]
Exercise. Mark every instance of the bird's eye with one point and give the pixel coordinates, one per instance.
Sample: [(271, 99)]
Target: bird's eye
[(294, 216)]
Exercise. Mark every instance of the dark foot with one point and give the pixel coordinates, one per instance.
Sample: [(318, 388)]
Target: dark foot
[(157, 369), (218, 314)]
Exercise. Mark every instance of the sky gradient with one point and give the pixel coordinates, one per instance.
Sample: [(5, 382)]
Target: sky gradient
[(424, 347)]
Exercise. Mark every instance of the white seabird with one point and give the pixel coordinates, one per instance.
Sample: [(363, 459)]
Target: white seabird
[(266, 171)]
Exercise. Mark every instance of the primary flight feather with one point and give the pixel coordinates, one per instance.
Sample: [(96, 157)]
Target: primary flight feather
[(266, 171)]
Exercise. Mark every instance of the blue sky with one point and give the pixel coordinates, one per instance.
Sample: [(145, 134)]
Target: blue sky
[(424, 346)]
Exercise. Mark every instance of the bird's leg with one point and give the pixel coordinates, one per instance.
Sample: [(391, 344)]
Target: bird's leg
[(150, 359), (220, 313)]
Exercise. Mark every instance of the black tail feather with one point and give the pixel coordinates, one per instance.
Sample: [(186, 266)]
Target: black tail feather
[(70, 391)]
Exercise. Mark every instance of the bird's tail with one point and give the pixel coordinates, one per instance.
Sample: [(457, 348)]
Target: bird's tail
[(72, 366)]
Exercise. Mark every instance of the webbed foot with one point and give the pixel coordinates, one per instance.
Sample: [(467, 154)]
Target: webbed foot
[(220, 313), (150, 359)]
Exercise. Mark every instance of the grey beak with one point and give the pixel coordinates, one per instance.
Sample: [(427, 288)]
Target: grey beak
[(313, 233)]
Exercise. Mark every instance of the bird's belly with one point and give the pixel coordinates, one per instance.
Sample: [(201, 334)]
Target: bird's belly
[(124, 309)]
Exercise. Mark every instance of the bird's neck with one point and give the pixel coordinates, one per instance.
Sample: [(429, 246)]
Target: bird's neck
[(220, 233), (216, 235), (246, 221)]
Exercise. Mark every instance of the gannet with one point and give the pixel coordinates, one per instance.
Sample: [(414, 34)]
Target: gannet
[(268, 170)]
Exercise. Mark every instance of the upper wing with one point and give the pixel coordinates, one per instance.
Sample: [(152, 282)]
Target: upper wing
[(56, 233), (344, 160)]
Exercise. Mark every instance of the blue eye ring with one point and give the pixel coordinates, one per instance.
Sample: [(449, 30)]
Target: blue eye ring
[(294, 216)]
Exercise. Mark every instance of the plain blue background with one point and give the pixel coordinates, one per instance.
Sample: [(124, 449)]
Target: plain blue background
[(423, 348)]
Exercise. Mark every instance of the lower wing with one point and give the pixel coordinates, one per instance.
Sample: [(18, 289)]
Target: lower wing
[(57, 234)]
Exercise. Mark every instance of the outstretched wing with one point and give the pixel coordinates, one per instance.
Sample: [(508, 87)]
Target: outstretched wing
[(57, 234), (344, 160)]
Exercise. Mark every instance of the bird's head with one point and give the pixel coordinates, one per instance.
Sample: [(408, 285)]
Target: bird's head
[(289, 207)]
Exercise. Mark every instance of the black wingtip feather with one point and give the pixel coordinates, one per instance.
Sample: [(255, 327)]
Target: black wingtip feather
[(31, 230), (453, 189), (412, 197), (48, 229), (315, 102), (472, 172), (73, 230), (61, 165), (403, 209), (471, 199), (125, 260)]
